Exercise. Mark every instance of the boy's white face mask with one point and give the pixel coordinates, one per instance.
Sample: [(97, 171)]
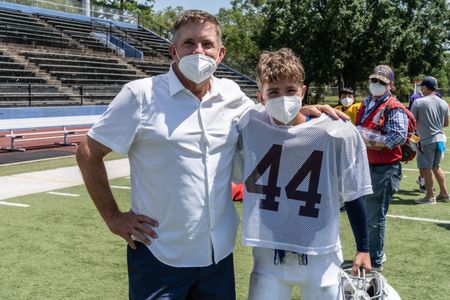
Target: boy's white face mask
[(347, 101), (284, 108), (197, 67)]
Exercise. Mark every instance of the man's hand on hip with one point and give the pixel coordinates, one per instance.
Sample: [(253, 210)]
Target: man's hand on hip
[(132, 227)]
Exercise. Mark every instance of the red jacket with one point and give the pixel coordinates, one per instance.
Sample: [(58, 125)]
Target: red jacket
[(386, 155)]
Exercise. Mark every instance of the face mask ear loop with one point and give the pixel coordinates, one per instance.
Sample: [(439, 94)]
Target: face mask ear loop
[(216, 60), (176, 53)]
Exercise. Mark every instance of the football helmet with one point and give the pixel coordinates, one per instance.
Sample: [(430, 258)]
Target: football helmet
[(370, 286)]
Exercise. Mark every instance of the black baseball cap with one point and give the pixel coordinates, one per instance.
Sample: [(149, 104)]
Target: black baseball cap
[(346, 90), (430, 83)]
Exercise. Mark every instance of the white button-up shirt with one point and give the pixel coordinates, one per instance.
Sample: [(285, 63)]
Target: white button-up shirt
[(180, 151)]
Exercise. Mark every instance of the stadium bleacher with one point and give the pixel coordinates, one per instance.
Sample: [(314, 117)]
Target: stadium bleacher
[(78, 30), (95, 78), (55, 60), (23, 28), (20, 85), (146, 39)]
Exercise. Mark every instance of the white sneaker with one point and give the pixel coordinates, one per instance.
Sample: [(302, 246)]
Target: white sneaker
[(426, 200), (420, 181)]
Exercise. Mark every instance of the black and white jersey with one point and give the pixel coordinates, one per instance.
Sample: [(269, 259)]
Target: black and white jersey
[(295, 178)]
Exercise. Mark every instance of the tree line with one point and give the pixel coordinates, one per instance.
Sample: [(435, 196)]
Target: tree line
[(338, 41)]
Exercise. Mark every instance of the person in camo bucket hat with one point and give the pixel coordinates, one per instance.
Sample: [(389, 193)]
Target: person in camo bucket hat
[(383, 134)]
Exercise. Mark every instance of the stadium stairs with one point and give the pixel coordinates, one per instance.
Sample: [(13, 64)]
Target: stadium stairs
[(22, 84), (48, 60)]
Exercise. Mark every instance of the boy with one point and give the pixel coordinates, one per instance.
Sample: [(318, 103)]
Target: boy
[(347, 103), (295, 173)]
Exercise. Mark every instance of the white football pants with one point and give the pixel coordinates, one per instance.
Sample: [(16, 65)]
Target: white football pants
[(318, 280)]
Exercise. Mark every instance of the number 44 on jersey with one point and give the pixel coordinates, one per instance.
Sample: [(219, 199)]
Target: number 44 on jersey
[(271, 161)]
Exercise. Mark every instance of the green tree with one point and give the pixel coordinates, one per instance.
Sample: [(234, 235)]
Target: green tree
[(142, 8), (167, 16), (340, 41), (126, 4), (162, 21), (240, 30)]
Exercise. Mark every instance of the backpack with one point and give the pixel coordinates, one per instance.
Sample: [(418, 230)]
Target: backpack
[(412, 143)]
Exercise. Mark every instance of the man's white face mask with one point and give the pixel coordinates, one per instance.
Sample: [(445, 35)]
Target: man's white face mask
[(347, 101), (284, 108), (197, 67), (377, 89)]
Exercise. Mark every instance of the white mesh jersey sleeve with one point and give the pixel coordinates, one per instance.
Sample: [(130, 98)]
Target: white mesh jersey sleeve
[(352, 164), (238, 159)]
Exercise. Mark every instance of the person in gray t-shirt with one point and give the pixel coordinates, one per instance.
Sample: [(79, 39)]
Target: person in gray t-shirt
[(431, 113)]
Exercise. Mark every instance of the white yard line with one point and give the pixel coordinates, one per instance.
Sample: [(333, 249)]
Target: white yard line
[(121, 187), (419, 219), (54, 179), (411, 170), (417, 170), (63, 194), (13, 204)]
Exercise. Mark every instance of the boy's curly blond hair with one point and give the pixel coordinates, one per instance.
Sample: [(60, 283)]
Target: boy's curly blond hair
[(197, 17), (279, 65)]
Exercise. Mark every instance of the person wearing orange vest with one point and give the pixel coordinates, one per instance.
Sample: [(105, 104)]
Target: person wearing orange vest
[(383, 132)]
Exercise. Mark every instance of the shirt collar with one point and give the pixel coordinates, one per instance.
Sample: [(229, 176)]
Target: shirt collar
[(379, 100), (216, 87), (175, 85)]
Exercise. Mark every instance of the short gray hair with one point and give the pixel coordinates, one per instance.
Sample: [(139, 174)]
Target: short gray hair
[(197, 17)]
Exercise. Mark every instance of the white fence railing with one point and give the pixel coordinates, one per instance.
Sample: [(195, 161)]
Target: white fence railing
[(76, 7)]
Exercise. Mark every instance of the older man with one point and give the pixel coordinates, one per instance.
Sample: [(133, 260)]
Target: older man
[(383, 117)]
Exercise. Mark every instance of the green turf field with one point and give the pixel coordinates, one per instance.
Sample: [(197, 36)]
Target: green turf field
[(59, 248)]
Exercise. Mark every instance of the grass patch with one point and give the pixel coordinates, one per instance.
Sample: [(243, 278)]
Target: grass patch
[(59, 248)]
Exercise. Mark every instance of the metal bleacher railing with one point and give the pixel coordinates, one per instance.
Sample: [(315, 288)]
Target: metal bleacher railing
[(114, 38), (46, 124), (75, 7), (106, 13)]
